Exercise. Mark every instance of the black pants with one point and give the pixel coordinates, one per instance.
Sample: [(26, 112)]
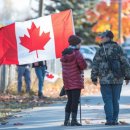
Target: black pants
[(73, 100)]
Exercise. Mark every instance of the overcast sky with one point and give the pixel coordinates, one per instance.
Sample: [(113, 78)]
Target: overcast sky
[(20, 9)]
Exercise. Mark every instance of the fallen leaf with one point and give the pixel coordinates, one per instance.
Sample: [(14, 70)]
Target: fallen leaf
[(87, 121), (17, 116), (18, 123), (123, 123)]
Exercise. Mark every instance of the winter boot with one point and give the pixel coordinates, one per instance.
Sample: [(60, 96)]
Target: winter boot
[(67, 119), (40, 95), (74, 121)]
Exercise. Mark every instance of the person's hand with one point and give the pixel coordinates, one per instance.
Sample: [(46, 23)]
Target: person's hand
[(95, 83), (36, 64), (126, 81)]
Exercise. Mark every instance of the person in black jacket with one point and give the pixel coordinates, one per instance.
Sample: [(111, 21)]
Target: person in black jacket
[(40, 68)]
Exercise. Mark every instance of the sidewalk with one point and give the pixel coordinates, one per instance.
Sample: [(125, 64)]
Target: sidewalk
[(51, 117)]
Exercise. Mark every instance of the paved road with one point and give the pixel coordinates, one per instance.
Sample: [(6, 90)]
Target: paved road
[(51, 117)]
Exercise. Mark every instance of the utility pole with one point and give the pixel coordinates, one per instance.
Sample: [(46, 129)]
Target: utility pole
[(40, 8), (119, 19)]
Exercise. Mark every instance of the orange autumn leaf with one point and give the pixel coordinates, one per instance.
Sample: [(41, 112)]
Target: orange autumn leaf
[(126, 7), (101, 7), (91, 16), (98, 39), (108, 18)]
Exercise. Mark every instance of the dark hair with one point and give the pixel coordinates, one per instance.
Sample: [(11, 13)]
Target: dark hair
[(74, 40)]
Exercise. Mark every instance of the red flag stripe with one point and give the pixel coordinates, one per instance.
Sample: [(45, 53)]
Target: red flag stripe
[(9, 44), (62, 27)]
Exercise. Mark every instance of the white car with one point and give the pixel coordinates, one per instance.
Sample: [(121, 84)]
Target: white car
[(93, 47), (127, 52), (88, 54)]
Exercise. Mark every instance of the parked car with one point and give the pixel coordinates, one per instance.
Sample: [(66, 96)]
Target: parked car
[(88, 54), (127, 52), (93, 47), (125, 45)]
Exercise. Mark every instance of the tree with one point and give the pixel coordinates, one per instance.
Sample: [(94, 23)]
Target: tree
[(106, 18), (82, 27)]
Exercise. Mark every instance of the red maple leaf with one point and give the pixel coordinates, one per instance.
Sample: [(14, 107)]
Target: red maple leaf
[(35, 42), (50, 76)]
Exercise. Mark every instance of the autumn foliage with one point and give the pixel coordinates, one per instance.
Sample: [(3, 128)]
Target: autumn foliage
[(105, 17)]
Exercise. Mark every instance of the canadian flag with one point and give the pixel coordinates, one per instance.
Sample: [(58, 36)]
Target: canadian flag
[(39, 39)]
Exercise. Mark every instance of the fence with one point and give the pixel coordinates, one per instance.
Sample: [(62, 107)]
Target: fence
[(8, 73)]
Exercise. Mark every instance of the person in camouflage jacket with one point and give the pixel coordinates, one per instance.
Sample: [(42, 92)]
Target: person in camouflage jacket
[(110, 53)]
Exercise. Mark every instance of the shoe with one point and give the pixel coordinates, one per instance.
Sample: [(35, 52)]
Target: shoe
[(67, 119), (40, 95), (115, 123), (74, 121), (109, 123), (44, 97), (66, 123)]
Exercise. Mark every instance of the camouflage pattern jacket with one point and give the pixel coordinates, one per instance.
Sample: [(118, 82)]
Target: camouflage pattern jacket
[(100, 67)]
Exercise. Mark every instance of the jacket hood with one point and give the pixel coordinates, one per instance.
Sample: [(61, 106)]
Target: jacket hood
[(68, 55)]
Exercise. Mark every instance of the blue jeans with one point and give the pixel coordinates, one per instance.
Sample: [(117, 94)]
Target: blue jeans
[(40, 72), (24, 71), (111, 95)]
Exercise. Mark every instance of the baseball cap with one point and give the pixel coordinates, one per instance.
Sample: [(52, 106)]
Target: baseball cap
[(107, 33)]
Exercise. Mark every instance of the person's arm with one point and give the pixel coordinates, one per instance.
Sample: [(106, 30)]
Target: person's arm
[(123, 57), (81, 61), (95, 68), (125, 65)]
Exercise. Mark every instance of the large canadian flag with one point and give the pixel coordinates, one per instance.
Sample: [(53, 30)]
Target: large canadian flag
[(39, 39)]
